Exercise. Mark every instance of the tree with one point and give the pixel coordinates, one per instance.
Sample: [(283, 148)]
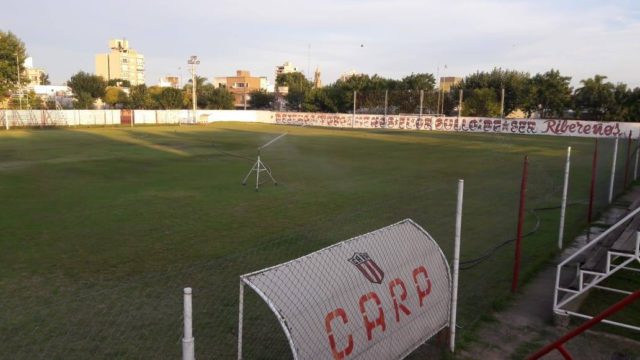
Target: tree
[(12, 55), (187, 91), (44, 79), (169, 98), (298, 85), (407, 99), (86, 88), (481, 102), (261, 99), (115, 97), (595, 99), (139, 97), (119, 83), (319, 100), (30, 101), (210, 97), (515, 84), (549, 93)]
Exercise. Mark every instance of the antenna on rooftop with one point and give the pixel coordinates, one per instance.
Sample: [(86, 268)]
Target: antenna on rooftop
[(260, 166)]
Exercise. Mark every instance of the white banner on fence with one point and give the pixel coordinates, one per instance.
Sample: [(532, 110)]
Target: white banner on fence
[(581, 128), (376, 296), (464, 124)]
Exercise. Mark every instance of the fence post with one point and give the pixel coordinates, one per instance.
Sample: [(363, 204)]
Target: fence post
[(592, 189), (502, 104), (386, 99), (459, 105), (523, 196), (563, 207), (613, 170), (188, 342), (6, 120), (353, 118), (421, 102), (456, 268), (240, 319)]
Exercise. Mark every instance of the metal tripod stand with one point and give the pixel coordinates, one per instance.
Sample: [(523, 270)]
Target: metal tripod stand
[(259, 167)]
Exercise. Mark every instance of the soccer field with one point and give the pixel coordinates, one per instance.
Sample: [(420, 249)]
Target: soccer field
[(101, 228)]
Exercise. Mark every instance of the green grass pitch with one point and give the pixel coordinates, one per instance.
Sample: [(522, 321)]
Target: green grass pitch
[(101, 228)]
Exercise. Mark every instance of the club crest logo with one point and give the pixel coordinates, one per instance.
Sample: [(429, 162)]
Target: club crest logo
[(367, 267)]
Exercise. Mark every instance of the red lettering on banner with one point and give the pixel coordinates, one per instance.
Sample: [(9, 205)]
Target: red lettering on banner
[(597, 129), (337, 354), (422, 294), (428, 124), (398, 305), (379, 321), (522, 127), (448, 124), (608, 130), (487, 125)]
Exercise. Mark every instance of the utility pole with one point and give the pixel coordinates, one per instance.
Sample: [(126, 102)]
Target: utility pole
[(460, 105), (193, 61), (19, 84), (502, 104)]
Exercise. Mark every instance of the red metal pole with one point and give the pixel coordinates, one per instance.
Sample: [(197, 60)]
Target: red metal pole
[(587, 325), (523, 195), (564, 352), (626, 163), (592, 191)]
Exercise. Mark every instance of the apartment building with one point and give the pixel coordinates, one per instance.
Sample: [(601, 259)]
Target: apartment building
[(241, 85), (122, 62), (447, 82)]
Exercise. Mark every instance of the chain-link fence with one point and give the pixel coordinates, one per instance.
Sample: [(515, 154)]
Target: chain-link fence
[(63, 316)]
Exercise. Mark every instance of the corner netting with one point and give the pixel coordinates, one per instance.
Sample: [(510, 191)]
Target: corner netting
[(140, 316)]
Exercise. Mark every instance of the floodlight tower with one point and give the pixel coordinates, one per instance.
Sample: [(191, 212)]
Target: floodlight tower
[(259, 166), (193, 61)]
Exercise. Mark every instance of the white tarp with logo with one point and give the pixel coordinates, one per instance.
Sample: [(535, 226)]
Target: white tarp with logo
[(375, 296)]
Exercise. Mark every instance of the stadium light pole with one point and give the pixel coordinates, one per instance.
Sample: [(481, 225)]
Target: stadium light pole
[(193, 61)]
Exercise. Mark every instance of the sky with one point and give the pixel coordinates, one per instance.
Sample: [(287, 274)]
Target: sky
[(390, 38)]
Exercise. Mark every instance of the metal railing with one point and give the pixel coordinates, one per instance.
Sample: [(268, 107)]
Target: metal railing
[(559, 344)]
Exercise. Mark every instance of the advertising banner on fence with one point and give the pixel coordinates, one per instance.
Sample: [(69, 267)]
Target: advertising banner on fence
[(580, 128), (376, 296)]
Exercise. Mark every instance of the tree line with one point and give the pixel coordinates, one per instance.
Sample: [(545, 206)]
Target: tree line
[(544, 95), (117, 93)]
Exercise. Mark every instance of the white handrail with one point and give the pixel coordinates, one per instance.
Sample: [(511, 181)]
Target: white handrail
[(600, 237)]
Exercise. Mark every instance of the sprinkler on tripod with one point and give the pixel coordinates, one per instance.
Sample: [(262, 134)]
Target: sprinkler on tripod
[(259, 166)]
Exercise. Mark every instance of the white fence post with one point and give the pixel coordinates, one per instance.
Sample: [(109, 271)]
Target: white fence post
[(188, 342), (456, 268), (563, 206), (353, 119), (240, 318), (613, 170)]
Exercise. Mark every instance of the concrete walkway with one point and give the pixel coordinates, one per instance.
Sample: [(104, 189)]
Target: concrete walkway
[(527, 324)]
